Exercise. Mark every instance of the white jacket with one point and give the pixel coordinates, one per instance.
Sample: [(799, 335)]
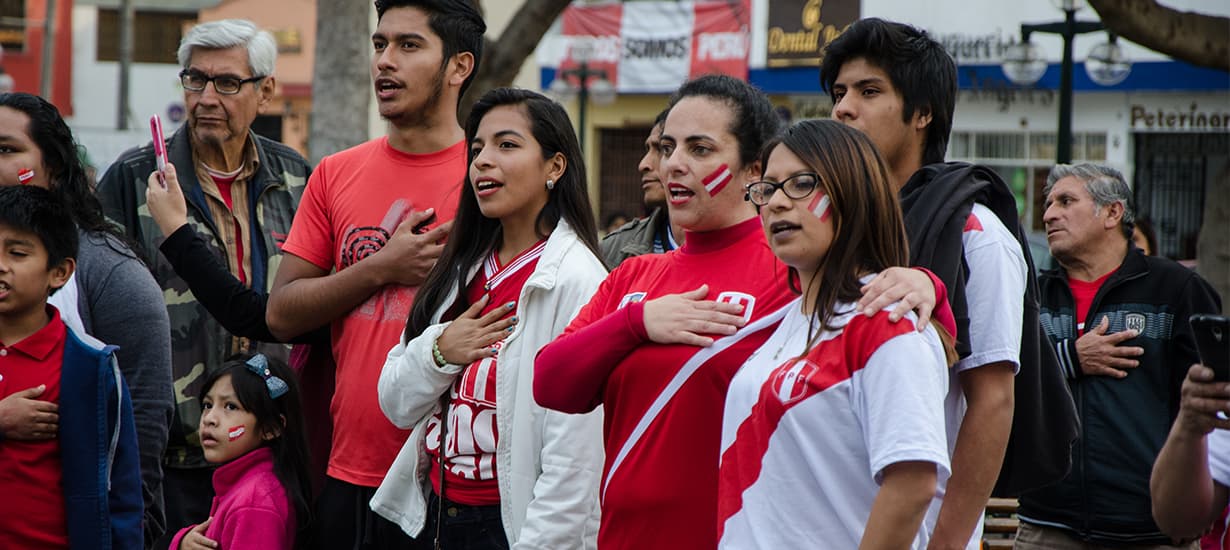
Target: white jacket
[(549, 464)]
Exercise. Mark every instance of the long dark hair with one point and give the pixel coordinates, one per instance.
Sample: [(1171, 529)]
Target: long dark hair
[(66, 174), (868, 227), (283, 416), (475, 235)]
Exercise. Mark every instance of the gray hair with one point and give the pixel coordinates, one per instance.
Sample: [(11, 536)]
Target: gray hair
[(1105, 184), (231, 33)]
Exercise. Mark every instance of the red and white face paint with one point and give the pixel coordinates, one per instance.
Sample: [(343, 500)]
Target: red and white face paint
[(820, 205), (236, 432), (25, 175), (715, 182)]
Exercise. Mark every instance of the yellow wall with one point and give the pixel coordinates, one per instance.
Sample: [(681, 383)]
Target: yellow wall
[(627, 110), (292, 68)]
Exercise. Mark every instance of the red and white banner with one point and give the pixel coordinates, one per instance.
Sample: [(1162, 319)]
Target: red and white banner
[(653, 47)]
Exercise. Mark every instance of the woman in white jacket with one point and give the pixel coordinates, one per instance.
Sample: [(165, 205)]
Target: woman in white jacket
[(521, 261)]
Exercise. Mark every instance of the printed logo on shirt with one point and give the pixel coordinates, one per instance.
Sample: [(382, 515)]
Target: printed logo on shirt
[(1135, 321), (470, 442), (790, 383), (741, 298), (631, 298)]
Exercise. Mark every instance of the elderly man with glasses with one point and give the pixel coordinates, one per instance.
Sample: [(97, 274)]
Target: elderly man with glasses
[(212, 233)]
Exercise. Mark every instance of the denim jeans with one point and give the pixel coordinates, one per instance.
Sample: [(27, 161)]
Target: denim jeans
[(463, 527)]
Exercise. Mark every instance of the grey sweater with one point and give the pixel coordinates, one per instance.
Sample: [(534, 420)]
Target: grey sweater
[(120, 303)]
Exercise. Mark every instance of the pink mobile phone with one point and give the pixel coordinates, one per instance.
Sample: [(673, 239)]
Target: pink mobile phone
[(160, 146)]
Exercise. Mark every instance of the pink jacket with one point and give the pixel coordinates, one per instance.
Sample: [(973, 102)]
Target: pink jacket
[(250, 509)]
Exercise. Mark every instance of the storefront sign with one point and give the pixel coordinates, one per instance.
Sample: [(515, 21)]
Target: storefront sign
[(976, 49), (800, 29), (1003, 93), (653, 47), (1152, 118)]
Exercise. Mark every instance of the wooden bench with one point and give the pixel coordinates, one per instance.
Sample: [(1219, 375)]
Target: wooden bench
[(999, 528)]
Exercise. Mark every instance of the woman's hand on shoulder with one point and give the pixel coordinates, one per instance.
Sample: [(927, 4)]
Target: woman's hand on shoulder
[(686, 317), (472, 336), (911, 288)]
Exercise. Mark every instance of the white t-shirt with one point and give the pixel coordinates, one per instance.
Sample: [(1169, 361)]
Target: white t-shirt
[(805, 441), (994, 296)]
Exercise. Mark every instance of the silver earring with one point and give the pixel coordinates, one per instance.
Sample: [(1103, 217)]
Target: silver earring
[(550, 185)]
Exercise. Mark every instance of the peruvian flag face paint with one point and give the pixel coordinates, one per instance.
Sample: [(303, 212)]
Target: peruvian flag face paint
[(25, 175), (821, 206), (715, 182), (235, 433)]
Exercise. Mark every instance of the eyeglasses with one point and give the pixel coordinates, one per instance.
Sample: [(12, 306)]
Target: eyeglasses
[(796, 187), (195, 81)]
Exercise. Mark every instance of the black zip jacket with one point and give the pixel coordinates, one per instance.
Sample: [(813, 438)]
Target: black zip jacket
[(1105, 497)]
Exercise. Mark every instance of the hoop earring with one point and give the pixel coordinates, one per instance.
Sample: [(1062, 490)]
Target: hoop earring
[(550, 185)]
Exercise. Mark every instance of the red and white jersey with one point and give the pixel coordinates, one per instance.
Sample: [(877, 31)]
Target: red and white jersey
[(994, 294), (805, 440), (1219, 468), (472, 435), (662, 404)]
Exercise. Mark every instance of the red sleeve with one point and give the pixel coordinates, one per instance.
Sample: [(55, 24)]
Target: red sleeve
[(943, 311), (571, 372), (311, 236)]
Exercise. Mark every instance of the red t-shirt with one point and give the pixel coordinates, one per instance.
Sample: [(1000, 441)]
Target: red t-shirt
[(32, 508), (1083, 293), (663, 420), (472, 436), (353, 203), (224, 189)]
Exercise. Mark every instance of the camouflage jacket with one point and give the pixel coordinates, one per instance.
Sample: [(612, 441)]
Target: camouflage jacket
[(199, 343)]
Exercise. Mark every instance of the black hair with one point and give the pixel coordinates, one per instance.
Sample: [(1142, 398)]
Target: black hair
[(283, 416), (1146, 228), (475, 235), (753, 121), (67, 175), (458, 24), (38, 211), (661, 118), (919, 67)]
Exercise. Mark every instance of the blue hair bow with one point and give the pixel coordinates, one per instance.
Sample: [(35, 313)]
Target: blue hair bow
[(259, 366)]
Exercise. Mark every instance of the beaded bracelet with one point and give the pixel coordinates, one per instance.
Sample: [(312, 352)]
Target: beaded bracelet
[(436, 355)]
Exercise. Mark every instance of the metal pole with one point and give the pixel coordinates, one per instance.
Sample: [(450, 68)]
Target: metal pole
[(583, 100), (1063, 141), (49, 50), (126, 22)]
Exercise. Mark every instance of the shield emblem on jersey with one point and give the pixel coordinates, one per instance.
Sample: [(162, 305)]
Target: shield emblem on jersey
[(742, 298), (631, 298), (1135, 321), (790, 381)]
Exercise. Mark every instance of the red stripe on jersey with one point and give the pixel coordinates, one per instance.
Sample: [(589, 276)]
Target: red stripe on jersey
[(972, 223), (833, 361)]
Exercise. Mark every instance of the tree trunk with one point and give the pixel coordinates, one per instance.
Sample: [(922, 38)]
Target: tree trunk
[(1213, 248), (1196, 38), (341, 89), (502, 59)]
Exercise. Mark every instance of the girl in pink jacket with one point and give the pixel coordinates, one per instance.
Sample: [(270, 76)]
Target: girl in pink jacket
[(251, 424)]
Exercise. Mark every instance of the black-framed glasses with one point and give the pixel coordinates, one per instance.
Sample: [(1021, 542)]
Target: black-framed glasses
[(796, 187), (195, 81)]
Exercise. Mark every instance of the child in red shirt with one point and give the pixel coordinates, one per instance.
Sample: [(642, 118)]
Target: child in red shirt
[(68, 455)]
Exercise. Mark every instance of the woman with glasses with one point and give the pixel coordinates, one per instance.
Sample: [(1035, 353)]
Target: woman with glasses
[(833, 431), (658, 344)]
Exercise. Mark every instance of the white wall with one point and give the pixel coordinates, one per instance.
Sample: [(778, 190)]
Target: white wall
[(154, 88)]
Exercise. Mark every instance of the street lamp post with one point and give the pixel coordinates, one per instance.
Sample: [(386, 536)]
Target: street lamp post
[(590, 82), (1106, 65)]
